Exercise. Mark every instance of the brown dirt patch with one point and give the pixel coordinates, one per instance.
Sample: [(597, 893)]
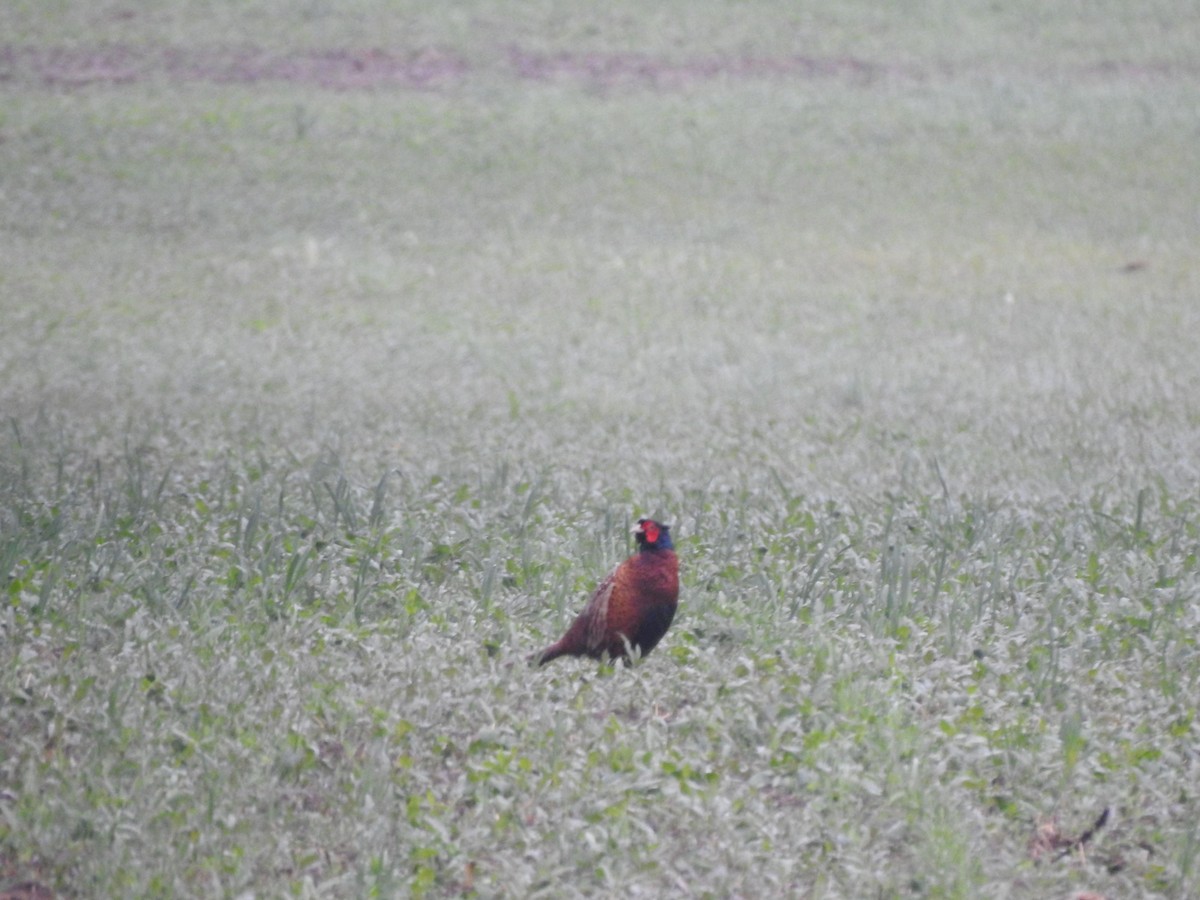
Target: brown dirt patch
[(376, 68), (608, 70), (334, 69), (430, 68)]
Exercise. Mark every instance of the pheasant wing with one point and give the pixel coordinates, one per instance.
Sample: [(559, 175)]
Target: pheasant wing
[(597, 615)]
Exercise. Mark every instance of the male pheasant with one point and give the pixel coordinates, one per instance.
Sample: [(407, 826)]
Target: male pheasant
[(632, 607)]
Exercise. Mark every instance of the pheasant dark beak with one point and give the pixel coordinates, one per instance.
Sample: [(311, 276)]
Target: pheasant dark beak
[(639, 528)]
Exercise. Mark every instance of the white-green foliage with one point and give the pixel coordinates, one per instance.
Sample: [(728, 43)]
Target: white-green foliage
[(322, 409)]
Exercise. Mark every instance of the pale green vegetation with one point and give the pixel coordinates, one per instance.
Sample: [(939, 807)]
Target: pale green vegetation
[(326, 398)]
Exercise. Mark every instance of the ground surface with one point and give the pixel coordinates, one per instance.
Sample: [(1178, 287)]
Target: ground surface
[(342, 344)]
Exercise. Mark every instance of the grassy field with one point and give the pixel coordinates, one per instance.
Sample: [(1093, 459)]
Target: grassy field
[(341, 344)]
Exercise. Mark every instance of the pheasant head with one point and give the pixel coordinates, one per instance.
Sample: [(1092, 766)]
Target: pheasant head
[(652, 535)]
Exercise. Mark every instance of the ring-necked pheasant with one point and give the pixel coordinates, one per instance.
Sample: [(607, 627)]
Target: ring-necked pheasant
[(632, 607)]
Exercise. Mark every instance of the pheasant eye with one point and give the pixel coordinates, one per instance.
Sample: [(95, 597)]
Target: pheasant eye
[(650, 530)]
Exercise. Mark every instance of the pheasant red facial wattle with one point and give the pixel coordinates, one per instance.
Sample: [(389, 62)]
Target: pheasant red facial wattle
[(632, 607)]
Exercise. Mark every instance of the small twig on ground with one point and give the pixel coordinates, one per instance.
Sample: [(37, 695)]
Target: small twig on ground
[(1101, 821), (1049, 839)]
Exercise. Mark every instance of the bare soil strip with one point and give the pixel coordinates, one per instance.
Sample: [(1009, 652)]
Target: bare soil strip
[(351, 69)]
